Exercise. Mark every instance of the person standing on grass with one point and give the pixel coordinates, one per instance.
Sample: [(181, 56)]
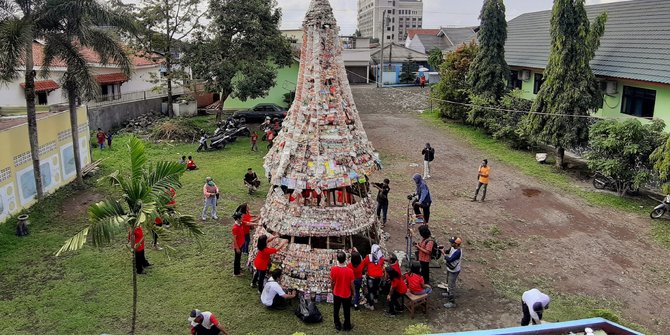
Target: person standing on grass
[(397, 291), (254, 140), (141, 261), (270, 135), (533, 303), (273, 295), (159, 224), (374, 265), (428, 155), (342, 286), (238, 242), (415, 281), (382, 200), (423, 199), (205, 323), (357, 265), (425, 248), (211, 194), (101, 137), (452, 260), (109, 137), (483, 179), (262, 260), (248, 221)]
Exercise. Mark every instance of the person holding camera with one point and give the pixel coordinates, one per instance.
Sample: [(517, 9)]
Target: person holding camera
[(383, 200), (273, 295), (425, 251), (211, 193), (428, 155), (483, 179), (421, 200)]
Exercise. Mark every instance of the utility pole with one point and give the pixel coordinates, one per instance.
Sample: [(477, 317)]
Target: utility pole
[(380, 81)]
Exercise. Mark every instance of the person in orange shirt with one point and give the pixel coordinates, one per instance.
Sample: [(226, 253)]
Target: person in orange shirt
[(483, 178), (425, 250), (398, 290), (342, 285)]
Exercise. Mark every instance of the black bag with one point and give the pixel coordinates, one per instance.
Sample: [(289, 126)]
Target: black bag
[(308, 312), (435, 253)]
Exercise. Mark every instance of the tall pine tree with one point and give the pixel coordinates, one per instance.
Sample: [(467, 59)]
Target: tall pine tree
[(570, 90), (489, 72)]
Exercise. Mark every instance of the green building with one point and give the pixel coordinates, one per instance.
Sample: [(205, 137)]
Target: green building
[(285, 83), (633, 61)]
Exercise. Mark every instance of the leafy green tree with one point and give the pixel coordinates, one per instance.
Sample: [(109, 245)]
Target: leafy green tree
[(489, 72), (408, 71), (435, 58), (502, 123), (660, 160), (20, 25), (144, 196), (453, 85), (69, 36), (621, 149), (571, 90), (238, 54)]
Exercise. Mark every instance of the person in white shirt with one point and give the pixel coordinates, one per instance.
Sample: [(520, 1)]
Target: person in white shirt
[(533, 303), (205, 323), (273, 296)]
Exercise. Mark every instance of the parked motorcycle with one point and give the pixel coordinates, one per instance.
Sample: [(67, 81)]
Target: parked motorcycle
[(660, 210), (601, 182)]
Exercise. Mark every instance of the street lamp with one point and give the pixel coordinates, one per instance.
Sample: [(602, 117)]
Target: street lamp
[(380, 82)]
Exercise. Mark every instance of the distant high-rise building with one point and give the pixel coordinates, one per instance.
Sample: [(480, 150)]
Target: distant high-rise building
[(402, 15)]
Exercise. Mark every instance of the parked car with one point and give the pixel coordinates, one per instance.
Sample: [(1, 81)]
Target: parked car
[(259, 112)]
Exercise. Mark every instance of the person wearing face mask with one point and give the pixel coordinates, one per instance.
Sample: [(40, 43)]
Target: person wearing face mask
[(211, 193)]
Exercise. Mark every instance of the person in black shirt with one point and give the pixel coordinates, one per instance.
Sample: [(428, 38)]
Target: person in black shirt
[(383, 199), (251, 181), (428, 155)]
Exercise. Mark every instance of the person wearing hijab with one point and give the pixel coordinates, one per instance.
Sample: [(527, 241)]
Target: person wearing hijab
[(374, 264), (211, 193), (422, 200)]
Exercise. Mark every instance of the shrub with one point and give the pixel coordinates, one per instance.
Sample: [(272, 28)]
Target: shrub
[(418, 329), (605, 314), (453, 82)]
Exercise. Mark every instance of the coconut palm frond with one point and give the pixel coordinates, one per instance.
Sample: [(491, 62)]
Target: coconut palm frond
[(109, 49), (75, 242), (138, 158), (164, 175), (15, 34), (185, 223)]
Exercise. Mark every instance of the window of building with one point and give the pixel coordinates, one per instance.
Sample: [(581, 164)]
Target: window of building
[(539, 80), (638, 101), (514, 82), (41, 98)]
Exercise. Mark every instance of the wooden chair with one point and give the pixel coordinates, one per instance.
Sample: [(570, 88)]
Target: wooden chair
[(414, 301)]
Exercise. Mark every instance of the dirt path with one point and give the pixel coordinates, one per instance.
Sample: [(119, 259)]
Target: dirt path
[(526, 231)]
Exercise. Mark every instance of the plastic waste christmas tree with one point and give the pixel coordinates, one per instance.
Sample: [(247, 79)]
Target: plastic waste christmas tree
[(319, 165)]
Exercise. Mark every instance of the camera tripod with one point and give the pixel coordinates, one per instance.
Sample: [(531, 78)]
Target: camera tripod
[(408, 233)]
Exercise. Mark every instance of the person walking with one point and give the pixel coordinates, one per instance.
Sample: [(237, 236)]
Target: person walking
[(273, 295), (262, 260), (205, 323), (398, 290), (101, 137), (342, 286), (382, 200), (453, 261), (211, 193), (533, 303), (141, 261), (425, 250), (428, 155), (109, 138), (423, 199), (254, 141), (483, 179), (238, 242)]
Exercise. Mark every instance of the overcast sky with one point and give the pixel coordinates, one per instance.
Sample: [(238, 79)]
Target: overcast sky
[(436, 13)]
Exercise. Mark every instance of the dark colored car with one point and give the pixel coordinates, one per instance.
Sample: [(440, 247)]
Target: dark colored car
[(259, 112)]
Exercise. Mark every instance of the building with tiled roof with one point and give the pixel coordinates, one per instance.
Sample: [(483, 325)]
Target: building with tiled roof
[(444, 39), (633, 61)]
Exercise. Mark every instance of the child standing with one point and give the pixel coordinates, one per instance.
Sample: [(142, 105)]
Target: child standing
[(254, 139), (101, 137), (109, 139)]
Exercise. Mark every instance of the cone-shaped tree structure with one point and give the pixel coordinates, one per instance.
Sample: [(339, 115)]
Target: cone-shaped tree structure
[(319, 164)]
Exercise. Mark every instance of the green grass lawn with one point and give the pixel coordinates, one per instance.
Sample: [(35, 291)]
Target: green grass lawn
[(89, 291)]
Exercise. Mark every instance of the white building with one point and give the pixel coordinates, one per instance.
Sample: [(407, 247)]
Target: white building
[(402, 15), (113, 83)]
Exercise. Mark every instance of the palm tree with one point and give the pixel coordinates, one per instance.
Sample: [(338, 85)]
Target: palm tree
[(67, 37), (145, 195), (19, 26)]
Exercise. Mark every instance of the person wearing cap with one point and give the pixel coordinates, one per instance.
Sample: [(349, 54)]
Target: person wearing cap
[(273, 295), (205, 323), (452, 258), (238, 242), (211, 193), (533, 303), (483, 179)]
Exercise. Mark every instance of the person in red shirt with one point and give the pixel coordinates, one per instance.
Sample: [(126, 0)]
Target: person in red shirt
[(415, 281), (254, 139), (425, 248), (248, 221), (238, 242), (398, 290), (357, 265), (138, 246), (262, 260), (342, 285), (270, 135), (190, 164), (159, 224), (205, 323), (394, 264), (374, 264), (101, 137)]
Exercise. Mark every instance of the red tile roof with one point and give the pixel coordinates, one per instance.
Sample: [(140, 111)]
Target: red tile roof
[(43, 86), (412, 32), (91, 56), (111, 78)]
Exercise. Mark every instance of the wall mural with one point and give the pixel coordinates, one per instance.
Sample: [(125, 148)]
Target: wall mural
[(7, 201)]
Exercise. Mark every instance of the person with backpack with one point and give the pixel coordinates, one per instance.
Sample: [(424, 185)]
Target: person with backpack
[(342, 286), (453, 261), (273, 295), (425, 251), (428, 153)]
